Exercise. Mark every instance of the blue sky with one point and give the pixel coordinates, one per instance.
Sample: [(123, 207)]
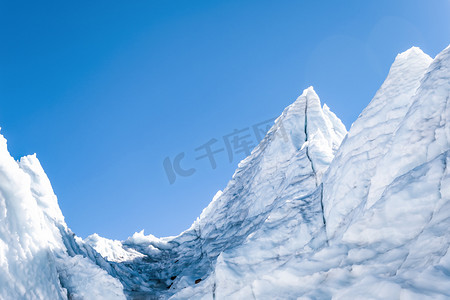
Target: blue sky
[(105, 91)]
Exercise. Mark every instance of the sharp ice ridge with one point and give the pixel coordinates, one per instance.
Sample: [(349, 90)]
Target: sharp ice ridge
[(372, 223)]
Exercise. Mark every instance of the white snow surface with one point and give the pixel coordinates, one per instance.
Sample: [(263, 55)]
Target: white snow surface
[(39, 256), (313, 213), (368, 140)]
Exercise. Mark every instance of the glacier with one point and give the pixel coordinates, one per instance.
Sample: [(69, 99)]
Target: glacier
[(314, 212)]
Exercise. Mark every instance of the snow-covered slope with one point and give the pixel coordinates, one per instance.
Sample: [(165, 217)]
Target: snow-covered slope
[(385, 207), (39, 256), (309, 214), (280, 176), (351, 175)]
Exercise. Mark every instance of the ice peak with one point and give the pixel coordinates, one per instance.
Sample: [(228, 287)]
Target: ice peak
[(308, 97), (310, 89), (413, 52), (309, 93)]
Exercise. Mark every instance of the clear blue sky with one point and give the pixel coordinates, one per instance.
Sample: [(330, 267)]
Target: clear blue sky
[(104, 91)]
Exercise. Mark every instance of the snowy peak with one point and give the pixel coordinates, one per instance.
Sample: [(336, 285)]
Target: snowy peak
[(394, 96), (302, 125), (317, 122), (40, 257), (392, 245), (308, 214), (322, 133), (346, 187), (41, 188), (302, 137), (412, 53), (424, 129), (279, 183), (286, 165), (323, 120)]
